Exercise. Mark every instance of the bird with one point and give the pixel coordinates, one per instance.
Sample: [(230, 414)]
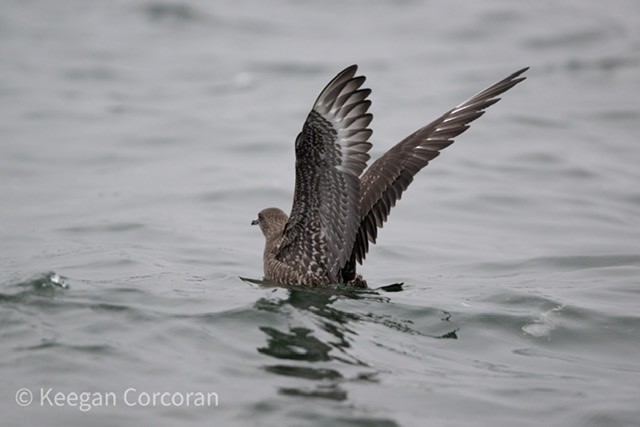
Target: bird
[(339, 204)]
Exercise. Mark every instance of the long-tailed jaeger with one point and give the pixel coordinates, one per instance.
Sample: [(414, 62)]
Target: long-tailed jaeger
[(337, 205)]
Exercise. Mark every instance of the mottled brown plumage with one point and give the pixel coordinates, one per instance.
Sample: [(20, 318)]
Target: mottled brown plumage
[(337, 209)]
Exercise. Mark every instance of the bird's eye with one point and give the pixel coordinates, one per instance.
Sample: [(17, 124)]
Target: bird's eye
[(260, 217)]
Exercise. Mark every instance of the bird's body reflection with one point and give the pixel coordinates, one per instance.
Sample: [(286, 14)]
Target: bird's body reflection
[(318, 346)]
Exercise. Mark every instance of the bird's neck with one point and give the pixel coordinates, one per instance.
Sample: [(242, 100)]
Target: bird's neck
[(271, 247)]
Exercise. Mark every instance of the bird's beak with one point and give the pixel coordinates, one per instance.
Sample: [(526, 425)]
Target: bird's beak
[(254, 222)]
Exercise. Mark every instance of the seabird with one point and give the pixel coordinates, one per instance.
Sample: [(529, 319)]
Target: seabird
[(338, 206)]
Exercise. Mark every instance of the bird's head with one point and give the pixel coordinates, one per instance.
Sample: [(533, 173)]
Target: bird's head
[(271, 221)]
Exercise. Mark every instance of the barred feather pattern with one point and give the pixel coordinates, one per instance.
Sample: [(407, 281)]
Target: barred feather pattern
[(384, 182), (331, 153)]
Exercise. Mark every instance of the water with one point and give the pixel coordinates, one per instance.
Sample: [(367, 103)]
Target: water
[(139, 139)]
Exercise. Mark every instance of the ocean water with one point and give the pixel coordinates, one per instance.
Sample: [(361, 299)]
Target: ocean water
[(138, 139)]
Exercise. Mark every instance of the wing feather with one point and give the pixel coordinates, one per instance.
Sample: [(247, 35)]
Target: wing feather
[(331, 154), (386, 179)]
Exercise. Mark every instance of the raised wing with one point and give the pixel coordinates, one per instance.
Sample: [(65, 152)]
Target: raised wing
[(331, 153), (386, 179)]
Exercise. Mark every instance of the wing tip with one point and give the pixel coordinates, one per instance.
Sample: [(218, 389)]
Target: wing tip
[(517, 77)]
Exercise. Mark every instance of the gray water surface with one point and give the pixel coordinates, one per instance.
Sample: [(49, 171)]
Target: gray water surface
[(138, 139)]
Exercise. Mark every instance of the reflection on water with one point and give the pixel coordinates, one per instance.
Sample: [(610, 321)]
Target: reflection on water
[(296, 345), (305, 344)]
